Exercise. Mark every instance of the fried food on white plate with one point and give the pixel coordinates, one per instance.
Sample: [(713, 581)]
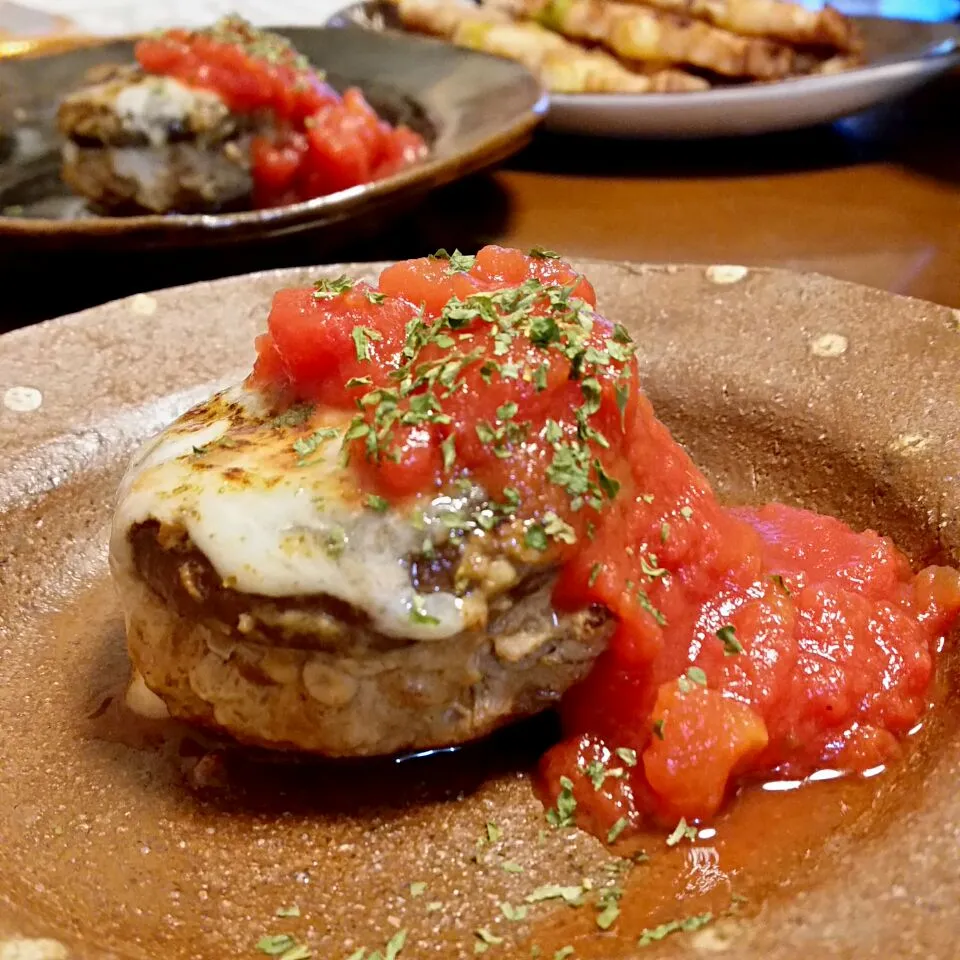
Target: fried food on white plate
[(565, 67), (639, 33), (562, 66), (775, 19)]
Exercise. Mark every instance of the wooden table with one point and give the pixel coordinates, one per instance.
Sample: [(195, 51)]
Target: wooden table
[(875, 199)]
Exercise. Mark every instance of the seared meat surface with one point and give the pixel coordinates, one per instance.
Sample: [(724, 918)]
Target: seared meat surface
[(310, 673)]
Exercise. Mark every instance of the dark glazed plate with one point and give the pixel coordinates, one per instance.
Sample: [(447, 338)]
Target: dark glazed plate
[(474, 110), (129, 839)]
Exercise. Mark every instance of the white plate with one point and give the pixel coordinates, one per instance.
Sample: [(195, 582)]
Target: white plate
[(759, 108), (902, 56)]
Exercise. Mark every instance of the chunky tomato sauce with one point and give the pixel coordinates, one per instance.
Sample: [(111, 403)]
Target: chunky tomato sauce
[(320, 142), (749, 642)]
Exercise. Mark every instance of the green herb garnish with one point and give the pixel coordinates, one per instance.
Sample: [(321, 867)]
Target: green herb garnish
[(460, 262), (609, 908), (361, 341), (394, 945), (299, 952), (274, 946), (562, 814), (650, 568), (597, 773), (535, 537), (572, 895), (485, 940), (727, 635), (418, 612), (449, 450), (328, 289), (513, 913), (781, 583), (540, 377), (294, 417), (697, 676), (558, 529), (283, 946), (682, 831), (335, 542), (687, 925), (305, 447), (617, 829), (647, 605)]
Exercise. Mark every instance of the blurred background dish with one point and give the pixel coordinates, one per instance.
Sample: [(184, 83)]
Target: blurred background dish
[(472, 109), (872, 197), (635, 70), (28, 30)]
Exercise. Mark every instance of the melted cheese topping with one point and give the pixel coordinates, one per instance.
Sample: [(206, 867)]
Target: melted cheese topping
[(154, 105), (278, 523)]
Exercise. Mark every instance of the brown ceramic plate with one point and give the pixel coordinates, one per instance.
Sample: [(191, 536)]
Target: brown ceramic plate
[(122, 838), (473, 110)]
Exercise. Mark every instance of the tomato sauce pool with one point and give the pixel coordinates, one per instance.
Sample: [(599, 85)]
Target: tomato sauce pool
[(750, 643), (317, 142)]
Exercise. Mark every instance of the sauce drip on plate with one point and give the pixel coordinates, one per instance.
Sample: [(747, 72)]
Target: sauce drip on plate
[(750, 643)]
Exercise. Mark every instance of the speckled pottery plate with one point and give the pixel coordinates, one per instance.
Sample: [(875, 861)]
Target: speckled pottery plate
[(128, 838), (472, 109), (901, 55)]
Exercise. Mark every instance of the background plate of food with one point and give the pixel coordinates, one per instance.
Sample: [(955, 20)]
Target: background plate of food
[(673, 68), (233, 133)]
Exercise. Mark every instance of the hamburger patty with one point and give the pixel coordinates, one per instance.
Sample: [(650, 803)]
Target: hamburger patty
[(178, 176), (267, 598), (310, 673), (137, 143)]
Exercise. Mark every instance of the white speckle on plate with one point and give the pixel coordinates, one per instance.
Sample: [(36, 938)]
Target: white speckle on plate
[(829, 345), (143, 305), (909, 443), (726, 273), (32, 949), (22, 399)]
